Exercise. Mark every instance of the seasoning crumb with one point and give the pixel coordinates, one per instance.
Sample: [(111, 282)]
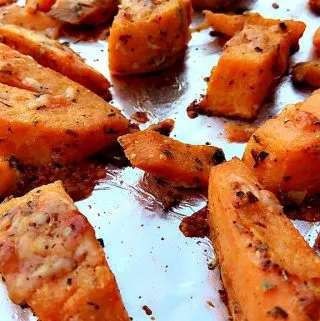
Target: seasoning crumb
[(210, 304), (101, 241), (275, 5), (147, 310), (140, 117)]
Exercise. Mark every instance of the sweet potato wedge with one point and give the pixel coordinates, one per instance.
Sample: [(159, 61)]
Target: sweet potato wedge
[(239, 133), (53, 127), (248, 67), (75, 11), (268, 270), (50, 53), (51, 260), (148, 36), (37, 21), (178, 163), (284, 152), (307, 72), (22, 71)]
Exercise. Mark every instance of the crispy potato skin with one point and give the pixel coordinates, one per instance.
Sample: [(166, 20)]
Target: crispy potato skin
[(76, 12), (52, 260), (178, 163), (267, 268), (54, 128), (148, 36), (50, 53), (37, 21), (248, 67), (307, 73), (284, 152)]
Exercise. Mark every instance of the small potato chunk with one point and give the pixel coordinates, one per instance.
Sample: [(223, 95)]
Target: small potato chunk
[(37, 21), (76, 12), (307, 72), (248, 67), (314, 5), (50, 259), (50, 53), (284, 152), (316, 40), (239, 133), (178, 163), (268, 270), (40, 128), (148, 35)]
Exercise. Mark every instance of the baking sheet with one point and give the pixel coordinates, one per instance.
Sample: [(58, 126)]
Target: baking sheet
[(154, 264)]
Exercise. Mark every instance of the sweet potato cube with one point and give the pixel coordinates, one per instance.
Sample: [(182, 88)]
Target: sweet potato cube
[(247, 69), (37, 21), (75, 11), (50, 53), (148, 36), (307, 73), (268, 270), (40, 128), (178, 163), (51, 260), (284, 152)]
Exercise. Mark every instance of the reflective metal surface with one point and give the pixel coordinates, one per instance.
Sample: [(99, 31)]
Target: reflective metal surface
[(154, 264)]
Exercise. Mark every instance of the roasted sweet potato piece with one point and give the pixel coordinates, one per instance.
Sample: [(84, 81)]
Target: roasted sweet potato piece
[(51, 260), (178, 163), (284, 152), (314, 5), (37, 21), (268, 270), (148, 35), (22, 71), (248, 67), (316, 39), (75, 11), (307, 72), (50, 53), (239, 133), (39, 128)]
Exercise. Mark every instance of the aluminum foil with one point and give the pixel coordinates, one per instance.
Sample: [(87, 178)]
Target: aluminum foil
[(154, 264)]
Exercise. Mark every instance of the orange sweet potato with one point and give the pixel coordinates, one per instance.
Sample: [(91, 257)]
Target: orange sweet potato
[(22, 71), (316, 39), (307, 72), (237, 133), (248, 67), (40, 128), (314, 5), (148, 36), (229, 25), (37, 21), (75, 11), (50, 53), (178, 163), (268, 270), (51, 260), (284, 152)]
